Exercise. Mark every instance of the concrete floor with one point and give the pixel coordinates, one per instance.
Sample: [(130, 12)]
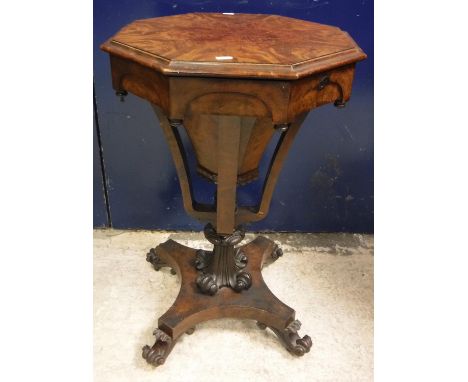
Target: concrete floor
[(326, 278)]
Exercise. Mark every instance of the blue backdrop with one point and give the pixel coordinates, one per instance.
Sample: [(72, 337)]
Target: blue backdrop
[(327, 181)]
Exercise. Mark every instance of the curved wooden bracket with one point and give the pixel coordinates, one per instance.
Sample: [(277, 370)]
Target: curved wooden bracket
[(200, 211), (255, 213), (222, 215)]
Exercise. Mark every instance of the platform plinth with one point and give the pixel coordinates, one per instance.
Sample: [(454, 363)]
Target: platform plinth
[(192, 306)]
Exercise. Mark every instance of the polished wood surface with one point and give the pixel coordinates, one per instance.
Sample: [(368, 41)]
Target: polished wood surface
[(192, 308), (229, 132), (280, 101), (232, 82), (230, 162), (234, 45)]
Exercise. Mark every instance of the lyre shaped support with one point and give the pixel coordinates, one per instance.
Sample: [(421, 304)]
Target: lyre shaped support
[(282, 147), (197, 210), (226, 215), (224, 265)]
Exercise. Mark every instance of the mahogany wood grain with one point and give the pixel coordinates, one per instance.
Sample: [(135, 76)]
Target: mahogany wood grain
[(286, 139), (229, 132), (198, 211), (234, 45), (192, 308), (280, 101), (231, 81)]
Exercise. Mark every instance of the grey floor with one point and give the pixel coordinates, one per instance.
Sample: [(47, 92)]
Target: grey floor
[(326, 278)]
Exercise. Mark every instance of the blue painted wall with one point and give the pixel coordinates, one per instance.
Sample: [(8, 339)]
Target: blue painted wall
[(327, 181)]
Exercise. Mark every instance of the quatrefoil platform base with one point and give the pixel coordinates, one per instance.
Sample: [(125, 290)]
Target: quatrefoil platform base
[(194, 306)]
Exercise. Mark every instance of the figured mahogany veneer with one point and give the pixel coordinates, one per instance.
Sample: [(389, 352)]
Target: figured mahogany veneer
[(262, 104), (231, 81), (234, 45)]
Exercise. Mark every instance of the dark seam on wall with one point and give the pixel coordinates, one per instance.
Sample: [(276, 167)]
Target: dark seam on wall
[(101, 159)]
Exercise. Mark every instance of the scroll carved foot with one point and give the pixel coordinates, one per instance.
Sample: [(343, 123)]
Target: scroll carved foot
[(192, 308), (156, 355), (277, 252), (153, 258), (291, 339)]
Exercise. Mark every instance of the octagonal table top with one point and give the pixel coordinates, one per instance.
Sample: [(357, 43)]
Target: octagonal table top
[(234, 45)]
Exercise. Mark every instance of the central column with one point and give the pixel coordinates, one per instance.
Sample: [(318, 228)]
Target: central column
[(229, 132), (223, 266)]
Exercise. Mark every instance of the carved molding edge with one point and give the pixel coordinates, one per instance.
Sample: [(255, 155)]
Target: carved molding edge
[(242, 179), (214, 238)]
